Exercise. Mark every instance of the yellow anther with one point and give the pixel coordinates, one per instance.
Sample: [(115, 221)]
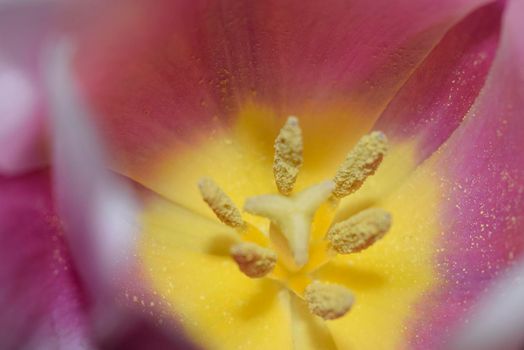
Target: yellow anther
[(329, 301), (220, 203), (361, 162), (253, 260), (288, 156), (292, 215), (359, 231)]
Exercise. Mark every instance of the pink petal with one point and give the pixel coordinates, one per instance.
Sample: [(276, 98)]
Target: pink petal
[(100, 212), (175, 69), (482, 168), (437, 96), (43, 305)]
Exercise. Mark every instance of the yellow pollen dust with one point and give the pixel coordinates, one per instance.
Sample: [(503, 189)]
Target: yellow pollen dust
[(288, 156), (220, 203), (359, 231), (361, 162), (291, 217), (329, 301), (253, 260)]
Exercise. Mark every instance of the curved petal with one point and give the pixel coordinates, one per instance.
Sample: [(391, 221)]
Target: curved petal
[(437, 96), (194, 66), (481, 168), (98, 209), (100, 214), (432, 103), (43, 304)]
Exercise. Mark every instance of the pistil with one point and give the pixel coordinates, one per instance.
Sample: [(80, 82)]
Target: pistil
[(293, 215)]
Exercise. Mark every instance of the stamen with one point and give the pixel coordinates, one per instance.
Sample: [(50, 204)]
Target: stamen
[(288, 156), (254, 260), (359, 231), (292, 215), (220, 203), (329, 301), (361, 162)]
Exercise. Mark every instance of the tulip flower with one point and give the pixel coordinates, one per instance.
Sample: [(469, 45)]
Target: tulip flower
[(335, 175)]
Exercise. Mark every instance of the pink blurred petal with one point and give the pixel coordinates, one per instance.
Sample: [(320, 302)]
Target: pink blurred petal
[(100, 213), (482, 169), (20, 124), (43, 304), (24, 28)]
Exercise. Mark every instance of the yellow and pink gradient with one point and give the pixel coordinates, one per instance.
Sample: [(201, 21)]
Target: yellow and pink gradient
[(191, 89)]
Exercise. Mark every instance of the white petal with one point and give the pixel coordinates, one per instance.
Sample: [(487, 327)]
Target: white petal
[(99, 210), (497, 322)]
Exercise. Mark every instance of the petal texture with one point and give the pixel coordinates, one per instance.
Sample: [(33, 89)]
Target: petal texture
[(437, 96), (200, 63), (481, 168), (433, 102)]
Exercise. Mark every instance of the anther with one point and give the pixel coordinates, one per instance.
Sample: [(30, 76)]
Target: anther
[(359, 231), (253, 260), (220, 203), (361, 162), (329, 301), (288, 156)]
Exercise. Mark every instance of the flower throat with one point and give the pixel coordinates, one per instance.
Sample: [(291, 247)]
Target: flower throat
[(302, 237)]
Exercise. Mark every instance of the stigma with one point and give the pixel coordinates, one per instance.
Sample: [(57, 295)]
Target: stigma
[(287, 242), (292, 216)]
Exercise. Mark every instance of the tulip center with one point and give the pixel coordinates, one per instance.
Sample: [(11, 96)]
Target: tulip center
[(301, 236)]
